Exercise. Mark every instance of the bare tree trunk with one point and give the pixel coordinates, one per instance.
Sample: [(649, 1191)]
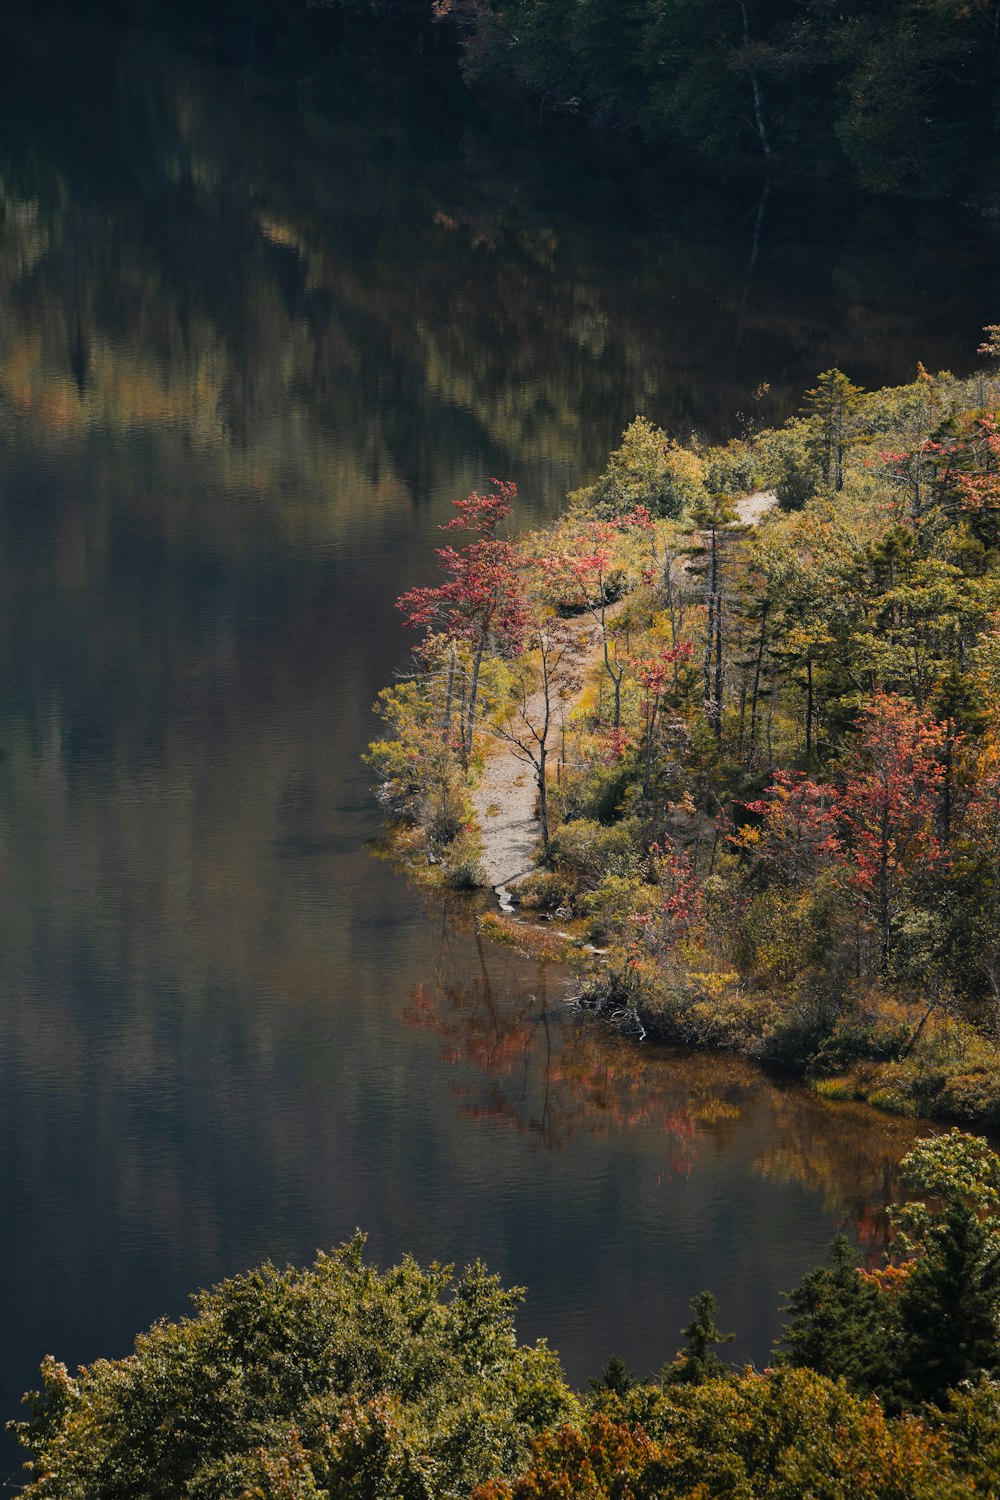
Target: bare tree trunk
[(718, 668), (470, 721), (543, 745), (615, 671), (713, 642), (527, 732), (809, 709), (758, 665), (446, 723), (758, 100)]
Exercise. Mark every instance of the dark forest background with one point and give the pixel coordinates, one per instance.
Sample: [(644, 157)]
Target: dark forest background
[(889, 95)]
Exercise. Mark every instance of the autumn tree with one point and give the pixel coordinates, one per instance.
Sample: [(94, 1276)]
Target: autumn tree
[(480, 603), (656, 676), (798, 829), (777, 1436), (888, 807)]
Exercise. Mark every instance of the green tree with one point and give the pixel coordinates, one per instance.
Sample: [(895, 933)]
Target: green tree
[(948, 1306), (616, 1377), (650, 470), (831, 403), (844, 1325), (699, 1361), (334, 1381)]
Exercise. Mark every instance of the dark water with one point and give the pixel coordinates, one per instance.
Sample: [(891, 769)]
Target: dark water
[(249, 350)]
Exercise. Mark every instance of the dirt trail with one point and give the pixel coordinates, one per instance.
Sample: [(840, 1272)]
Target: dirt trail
[(752, 507), (506, 796)]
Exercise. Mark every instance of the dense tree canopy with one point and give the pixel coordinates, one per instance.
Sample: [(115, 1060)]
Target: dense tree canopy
[(343, 1383), (331, 1381), (891, 94)]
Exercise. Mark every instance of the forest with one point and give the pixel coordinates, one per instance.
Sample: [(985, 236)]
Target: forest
[(889, 95), (896, 95), (769, 789), (410, 1384)]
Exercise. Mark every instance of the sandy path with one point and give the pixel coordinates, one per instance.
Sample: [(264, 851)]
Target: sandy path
[(752, 507), (505, 802), (506, 796)]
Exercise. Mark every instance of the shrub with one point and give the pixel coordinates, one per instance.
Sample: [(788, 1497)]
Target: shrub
[(588, 851), (545, 890), (731, 470), (463, 874), (877, 1031), (613, 905), (971, 1096), (787, 464), (648, 469)]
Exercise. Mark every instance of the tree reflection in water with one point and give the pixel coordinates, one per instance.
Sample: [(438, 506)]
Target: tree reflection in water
[(525, 1060)]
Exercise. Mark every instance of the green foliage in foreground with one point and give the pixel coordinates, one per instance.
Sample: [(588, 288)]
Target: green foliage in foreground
[(334, 1380), (784, 1435), (341, 1383)]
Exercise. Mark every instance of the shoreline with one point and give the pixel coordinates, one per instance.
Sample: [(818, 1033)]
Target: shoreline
[(702, 751)]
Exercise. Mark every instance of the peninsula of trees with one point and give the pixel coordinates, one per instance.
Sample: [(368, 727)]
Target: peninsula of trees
[(768, 780)]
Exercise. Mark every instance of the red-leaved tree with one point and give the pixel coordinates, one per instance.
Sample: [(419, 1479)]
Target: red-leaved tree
[(887, 809), (481, 601), (799, 831), (656, 675)]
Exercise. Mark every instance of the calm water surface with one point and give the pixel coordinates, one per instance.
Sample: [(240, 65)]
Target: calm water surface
[(248, 353)]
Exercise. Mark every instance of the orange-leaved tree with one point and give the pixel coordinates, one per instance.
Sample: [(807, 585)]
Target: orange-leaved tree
[(888, 807)]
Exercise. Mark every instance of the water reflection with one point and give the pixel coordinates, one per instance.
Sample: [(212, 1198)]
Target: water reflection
[(341, 312), (552, 1076), (249, 352)]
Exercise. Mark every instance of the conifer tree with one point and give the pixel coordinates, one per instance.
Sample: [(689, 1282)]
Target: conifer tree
[(843, 1325), (948, 1305), (699, 1361), (832, 400)]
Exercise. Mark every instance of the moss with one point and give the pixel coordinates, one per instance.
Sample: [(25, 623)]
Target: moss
[(835, 1088)]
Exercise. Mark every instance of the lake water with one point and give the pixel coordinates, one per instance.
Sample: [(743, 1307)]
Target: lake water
[(249, 351)]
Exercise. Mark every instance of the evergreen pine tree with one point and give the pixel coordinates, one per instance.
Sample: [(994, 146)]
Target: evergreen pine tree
[(699, 1361), (844, 1325), (616, 1377), (949, 1305)]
